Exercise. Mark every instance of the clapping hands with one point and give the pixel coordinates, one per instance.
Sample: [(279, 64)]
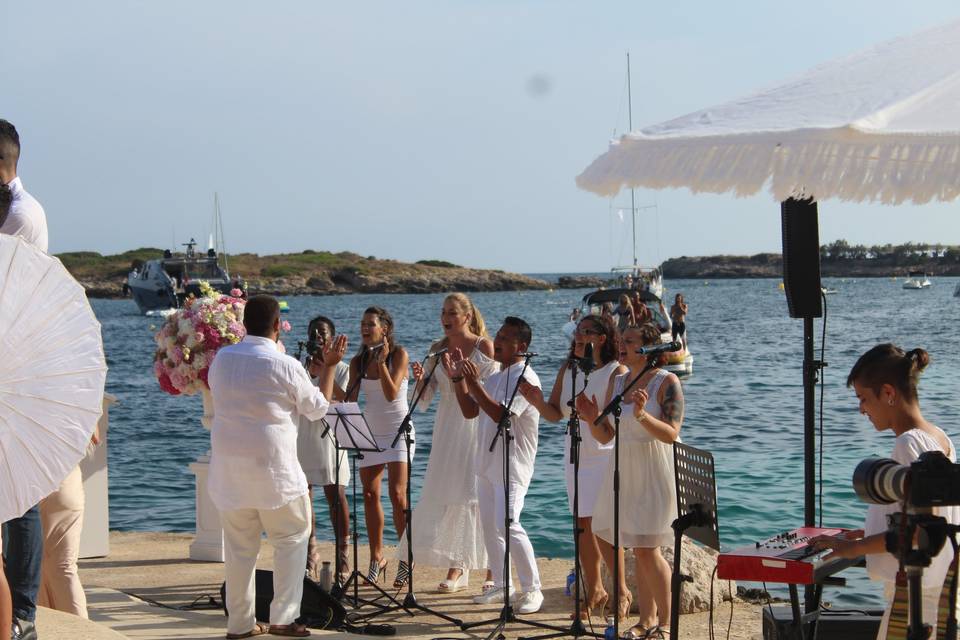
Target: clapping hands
[(333, 350), (588, 408)]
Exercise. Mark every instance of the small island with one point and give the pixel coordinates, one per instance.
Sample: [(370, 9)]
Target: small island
[(307, 273), (837, 259)]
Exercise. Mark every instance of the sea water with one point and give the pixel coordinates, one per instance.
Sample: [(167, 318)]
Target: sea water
[(743, 403)]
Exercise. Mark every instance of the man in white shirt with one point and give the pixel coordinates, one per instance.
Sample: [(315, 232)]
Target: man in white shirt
[(26, 217), (255, 478), (489, 399)]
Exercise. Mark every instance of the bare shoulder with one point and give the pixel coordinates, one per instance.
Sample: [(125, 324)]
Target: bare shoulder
[(486, 347)]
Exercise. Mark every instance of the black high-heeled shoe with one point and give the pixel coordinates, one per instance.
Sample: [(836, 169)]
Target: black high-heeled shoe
[(377, 569)]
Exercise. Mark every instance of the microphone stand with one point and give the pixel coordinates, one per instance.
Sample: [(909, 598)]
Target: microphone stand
[(507, 615), (615, 407), (406, 431), (577, 628)]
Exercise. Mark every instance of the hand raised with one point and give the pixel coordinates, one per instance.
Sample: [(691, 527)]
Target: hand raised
[(588, 408), (417, 371), (469, 370), (382, 353), (333, 350), (531, 393)]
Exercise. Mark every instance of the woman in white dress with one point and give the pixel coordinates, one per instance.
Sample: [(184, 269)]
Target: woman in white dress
[(599, 335), (323, 465), (446, 521), (379, 370), (650, 424)]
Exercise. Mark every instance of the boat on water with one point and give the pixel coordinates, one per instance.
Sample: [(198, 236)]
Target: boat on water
[(678, 362), (917, 280), (163, 283)]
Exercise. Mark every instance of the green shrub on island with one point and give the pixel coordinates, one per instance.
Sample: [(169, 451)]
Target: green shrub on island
[(439, 263)]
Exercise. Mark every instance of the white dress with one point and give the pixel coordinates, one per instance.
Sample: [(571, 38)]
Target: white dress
[(446, 520), (593, 454), (384, 417), (318, 453), (648, 498)]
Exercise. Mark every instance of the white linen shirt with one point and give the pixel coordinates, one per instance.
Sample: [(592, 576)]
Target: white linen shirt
[(524, 424), (26, 218), (258, 396)]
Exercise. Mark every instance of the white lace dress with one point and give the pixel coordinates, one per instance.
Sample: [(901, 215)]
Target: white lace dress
[(648, 498), (446, 519)]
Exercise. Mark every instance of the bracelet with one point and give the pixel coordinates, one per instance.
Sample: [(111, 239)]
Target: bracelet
[(457, 379)]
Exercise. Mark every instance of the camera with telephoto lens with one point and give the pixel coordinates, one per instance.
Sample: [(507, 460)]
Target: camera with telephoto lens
[(931, 481)]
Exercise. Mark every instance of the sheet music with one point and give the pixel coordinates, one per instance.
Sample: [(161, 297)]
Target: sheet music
[(350, 427)]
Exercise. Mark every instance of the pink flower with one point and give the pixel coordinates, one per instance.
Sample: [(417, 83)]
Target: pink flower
[(285, 326), (236, 293)]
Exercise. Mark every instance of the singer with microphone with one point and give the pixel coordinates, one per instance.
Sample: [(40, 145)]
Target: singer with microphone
[(489, 399), (652, 416), (447, 531), (592, 358), (379, 370)]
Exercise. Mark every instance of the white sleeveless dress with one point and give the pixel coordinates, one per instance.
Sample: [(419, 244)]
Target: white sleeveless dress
[(384, 417), (593, 454), (446, 519), (648, 498)]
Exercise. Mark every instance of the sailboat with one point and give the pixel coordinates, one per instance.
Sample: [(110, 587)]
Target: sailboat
[(163, 283), (635, 281)]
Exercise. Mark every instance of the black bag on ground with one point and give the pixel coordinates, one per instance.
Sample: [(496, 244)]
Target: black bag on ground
[(318, 609)]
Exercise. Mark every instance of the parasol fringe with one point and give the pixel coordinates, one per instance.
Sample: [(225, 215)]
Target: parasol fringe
[(844, 163)]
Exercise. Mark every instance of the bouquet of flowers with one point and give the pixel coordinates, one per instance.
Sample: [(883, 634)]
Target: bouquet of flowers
[(191, 337)]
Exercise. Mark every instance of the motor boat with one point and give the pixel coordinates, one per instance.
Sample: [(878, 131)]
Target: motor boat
[(163, 283), (917, 280), (678, 362)]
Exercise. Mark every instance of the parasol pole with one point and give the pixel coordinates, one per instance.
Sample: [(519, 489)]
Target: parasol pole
[(633, 204)]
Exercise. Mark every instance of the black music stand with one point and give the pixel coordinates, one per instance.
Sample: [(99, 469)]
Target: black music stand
[(696, 515), (352, 433)]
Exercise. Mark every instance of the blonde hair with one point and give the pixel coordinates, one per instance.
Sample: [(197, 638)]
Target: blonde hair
[(465, 305)]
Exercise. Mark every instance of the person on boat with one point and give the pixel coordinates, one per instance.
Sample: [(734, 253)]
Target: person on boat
[(447, 531), (624, 313), (489, 398), (885, 380), (641, 312), (323, 465), (600, 334), (678, 314), (379, 370), (652, 417)]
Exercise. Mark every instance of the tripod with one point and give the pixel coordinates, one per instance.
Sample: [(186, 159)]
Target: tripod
[(577, 628), (355, 434), (405, 430), (615, 407), (504, 434)]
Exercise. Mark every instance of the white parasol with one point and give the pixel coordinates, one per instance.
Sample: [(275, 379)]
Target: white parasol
[(52, 373), (881, 125)]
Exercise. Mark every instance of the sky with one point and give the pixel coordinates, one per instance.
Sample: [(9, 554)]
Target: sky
[(414, 130)]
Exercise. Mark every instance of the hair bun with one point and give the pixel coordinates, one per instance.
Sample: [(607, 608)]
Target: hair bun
[(920, 358)]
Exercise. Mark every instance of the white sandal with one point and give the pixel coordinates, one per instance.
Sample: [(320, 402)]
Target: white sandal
[(487, 586), (457, 584)]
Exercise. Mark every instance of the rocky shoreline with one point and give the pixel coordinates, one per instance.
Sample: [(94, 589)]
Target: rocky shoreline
[(770, 265), (310, 273)]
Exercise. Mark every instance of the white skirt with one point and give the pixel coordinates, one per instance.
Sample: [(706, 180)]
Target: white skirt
[(389, 454), (318, 456), (648, 502), (592, 470)]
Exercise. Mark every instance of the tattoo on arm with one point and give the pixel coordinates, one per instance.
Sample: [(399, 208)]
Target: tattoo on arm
[(673, 404)]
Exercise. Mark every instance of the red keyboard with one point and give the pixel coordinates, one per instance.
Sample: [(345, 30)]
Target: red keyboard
[(785, 558)]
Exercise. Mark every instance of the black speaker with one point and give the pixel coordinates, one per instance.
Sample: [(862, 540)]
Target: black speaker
[(801, 258), (832, 625)]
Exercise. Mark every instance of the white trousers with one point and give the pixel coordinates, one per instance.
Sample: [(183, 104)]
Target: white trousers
[(288, 529), (492, 511)]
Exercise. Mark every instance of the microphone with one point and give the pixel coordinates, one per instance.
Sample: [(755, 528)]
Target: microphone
[(586, 363), (438, 352), (660, 348), (527, 354), (376, 347)]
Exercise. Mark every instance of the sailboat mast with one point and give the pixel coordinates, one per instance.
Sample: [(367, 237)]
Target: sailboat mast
[(633, 204), (218, 235)]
